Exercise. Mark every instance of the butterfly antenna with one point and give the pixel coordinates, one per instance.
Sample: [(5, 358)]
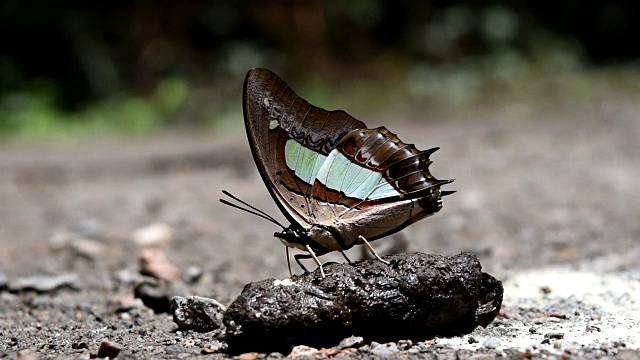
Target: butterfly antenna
[(249, 208)]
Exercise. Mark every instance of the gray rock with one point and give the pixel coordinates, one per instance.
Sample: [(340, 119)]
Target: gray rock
[(554, 335), (491, 343), (109, 349), (193, 274), (88, 227), (351, 342), (197, 313), (127, 276), (404, 345), (416, 294), (385, 350), (45, 283)]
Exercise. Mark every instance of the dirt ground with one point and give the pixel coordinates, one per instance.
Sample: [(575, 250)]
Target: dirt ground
[(548, 200)]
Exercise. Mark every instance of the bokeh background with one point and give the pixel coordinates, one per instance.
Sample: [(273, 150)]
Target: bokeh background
[(121, 122), (76, 70)]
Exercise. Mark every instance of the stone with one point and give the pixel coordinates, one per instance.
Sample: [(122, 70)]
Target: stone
[(193, 274), (385, 350), (87, 248), (416, 294), (404, 344), (491, 343), (214, 347), (351, 342), (197, 313), (127, 277), (109, 349), (153, 235), (124, 302), (45, 283), (248, 356), (155, 263), (302, 351)]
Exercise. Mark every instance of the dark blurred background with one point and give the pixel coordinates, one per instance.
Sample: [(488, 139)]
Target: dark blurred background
[(70, 68)]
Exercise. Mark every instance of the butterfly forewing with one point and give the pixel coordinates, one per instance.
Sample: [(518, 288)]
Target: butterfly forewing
[(290, 140)]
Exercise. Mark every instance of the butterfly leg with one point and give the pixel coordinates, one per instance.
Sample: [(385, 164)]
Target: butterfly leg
[(289, 263), (364, 241), (302, 256), (345, 256), (313, 255)]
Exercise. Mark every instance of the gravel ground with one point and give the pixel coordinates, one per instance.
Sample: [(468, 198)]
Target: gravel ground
[(546, 199)]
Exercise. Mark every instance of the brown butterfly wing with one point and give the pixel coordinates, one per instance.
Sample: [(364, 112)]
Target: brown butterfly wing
[(274, 115)]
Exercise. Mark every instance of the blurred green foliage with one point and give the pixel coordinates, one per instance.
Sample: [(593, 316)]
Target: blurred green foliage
[(73, 68), (36, 114)]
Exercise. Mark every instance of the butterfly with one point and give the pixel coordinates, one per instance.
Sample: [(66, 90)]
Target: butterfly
[(336, 181)]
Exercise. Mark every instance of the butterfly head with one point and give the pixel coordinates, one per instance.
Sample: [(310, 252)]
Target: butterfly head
[(289, 234), (293, 236)]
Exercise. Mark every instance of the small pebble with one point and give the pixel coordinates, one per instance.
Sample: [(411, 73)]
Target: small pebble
[(45, 283), (198, 313), (87, 248), (193, 274), (155, 263), (384, 350), (303, 351), (554, 336), (351, 342), (404, 345), (491, 343), (8, 297), (26, 354), (127, 276), (109, 348), (214, 347), (153, 235), (248, 356), (88, 227), (329, 353), (472, 340), (173, 350), (125, 302)]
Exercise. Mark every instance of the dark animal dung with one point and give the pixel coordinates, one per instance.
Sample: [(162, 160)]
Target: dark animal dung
[(417, 297)]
